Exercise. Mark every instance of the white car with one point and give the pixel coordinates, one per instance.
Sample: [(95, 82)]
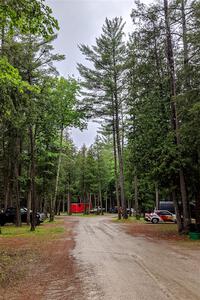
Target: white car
[(160, 216)]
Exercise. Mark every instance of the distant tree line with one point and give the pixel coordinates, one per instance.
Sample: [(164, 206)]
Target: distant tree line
[(36, 108), (146, 91), (143, 90)]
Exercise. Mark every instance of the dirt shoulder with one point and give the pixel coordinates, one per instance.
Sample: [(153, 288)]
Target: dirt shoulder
[(165, 232), (40, 266)]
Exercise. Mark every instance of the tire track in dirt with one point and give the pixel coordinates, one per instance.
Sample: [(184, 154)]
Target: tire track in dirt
[(120, 266)]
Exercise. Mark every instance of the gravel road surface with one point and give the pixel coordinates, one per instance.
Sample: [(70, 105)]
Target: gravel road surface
[(116, 266)]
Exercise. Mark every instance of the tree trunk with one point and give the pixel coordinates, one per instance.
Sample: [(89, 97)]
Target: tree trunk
[(28, 204), (17, 199), (115, 164), (197, 190), (58, 207), (68, 202), (116, 113), (6, 193), (51, 217), (32, 178), (7, 183), (63, 205), (197, 207), (99, 178), (57, 174), (28, 220), (136, 197), (122, 127), (16, 182), (177, 212), (185, 46), (8, 152), (90, 201), (100, 198), (106, 200), (186, 211), (110, 202), (120, 158), (95, 201), (45, 208), (174, 117), (157, 195)]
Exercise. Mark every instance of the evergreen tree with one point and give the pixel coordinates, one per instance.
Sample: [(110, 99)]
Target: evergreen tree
[(104, 85)]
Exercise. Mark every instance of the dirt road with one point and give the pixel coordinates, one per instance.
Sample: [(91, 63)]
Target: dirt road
[(117, 266)]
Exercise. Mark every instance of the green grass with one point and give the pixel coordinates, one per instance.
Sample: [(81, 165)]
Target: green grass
[(130, 220), (79, 215), (24, 231), (86, 215)]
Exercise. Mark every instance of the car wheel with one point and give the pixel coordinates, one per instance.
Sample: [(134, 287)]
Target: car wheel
[(154, 221)]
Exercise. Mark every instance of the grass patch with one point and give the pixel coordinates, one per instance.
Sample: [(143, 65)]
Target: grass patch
[(190, 244), (87, 215), (129, 220), (164, 227), (80, 215), (163, 231), (24, 231)]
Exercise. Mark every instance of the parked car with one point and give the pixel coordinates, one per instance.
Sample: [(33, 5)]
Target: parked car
[(160, 216), (9, 216), (96, 210), (41, 215), (113, 210), (132, 211)]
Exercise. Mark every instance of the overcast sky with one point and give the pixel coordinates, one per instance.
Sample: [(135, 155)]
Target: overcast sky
[(81, 21)]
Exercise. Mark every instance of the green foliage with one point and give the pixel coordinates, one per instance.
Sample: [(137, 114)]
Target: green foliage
[(28, 16), (35, 104), (126, 85), (64, 102), (9, 76)]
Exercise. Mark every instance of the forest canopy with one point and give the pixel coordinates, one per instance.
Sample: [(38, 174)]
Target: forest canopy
[(144, 90)]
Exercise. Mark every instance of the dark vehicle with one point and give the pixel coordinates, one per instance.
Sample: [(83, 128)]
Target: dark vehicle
[(113, 210), (168, 205), (9, 216)]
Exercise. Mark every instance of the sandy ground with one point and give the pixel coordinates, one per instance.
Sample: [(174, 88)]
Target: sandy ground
[(117, 266)]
